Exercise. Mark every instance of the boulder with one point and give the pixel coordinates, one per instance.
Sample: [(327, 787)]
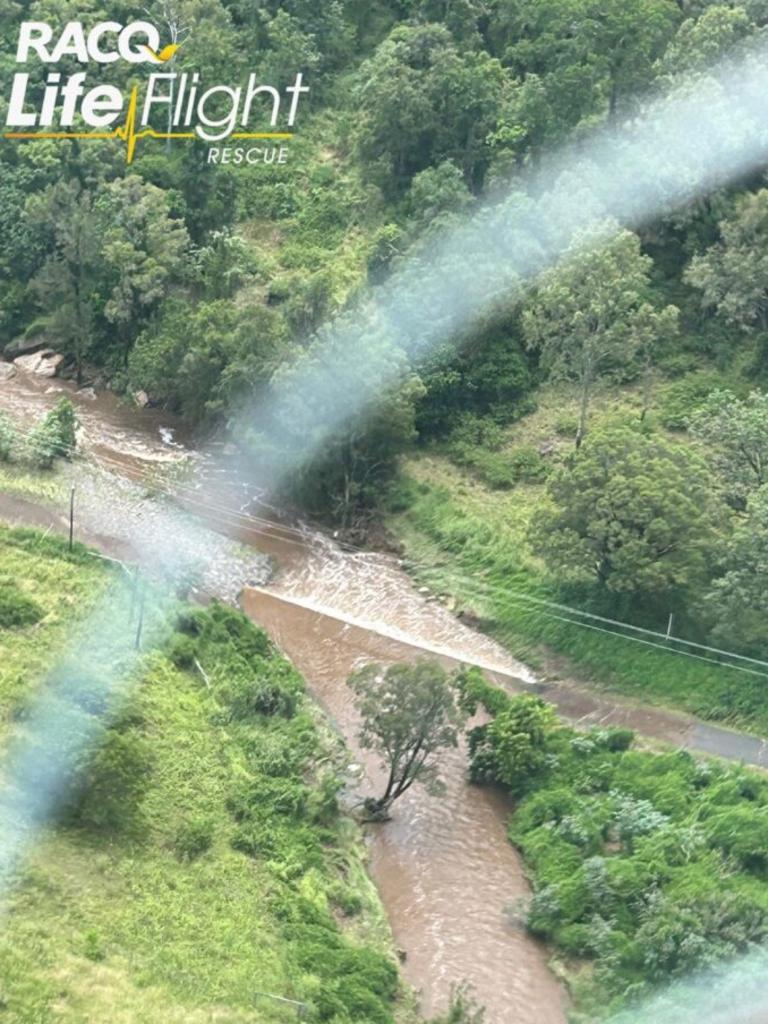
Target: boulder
[(87, 392), (7, 371), (43, 364), (23, 347), (50, 367), (141, 398)]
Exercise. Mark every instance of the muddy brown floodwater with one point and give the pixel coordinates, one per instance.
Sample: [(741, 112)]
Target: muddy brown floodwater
[(445, 870), (444, 867)]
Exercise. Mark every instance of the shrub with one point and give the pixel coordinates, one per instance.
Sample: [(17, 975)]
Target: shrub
[(566, 425), (16, 609), (112, 782), (245, 698), (55, 437), (684, 397), (93, 948), (182, 651), (346, 899), (195, 837), (7, 438), (528, 466)]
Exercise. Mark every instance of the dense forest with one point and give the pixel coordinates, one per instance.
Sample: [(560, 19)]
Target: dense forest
[(196, 285)]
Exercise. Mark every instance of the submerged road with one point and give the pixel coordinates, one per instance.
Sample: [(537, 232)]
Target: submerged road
[(445, 869)]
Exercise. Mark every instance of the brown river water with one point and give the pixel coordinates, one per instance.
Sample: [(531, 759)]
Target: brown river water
[(447, 875)]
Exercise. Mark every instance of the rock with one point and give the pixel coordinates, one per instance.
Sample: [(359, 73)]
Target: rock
[(547, 448), (44, 363), (30, 362), (141, 398), (87, 393), (23, 347), (7, 371), (50, 367), (424, 590)]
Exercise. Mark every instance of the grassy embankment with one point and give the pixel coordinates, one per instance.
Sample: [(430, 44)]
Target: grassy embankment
[(203, 858), (466, 538)]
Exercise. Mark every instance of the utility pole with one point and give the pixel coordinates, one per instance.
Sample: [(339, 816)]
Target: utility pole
[(72, 518)]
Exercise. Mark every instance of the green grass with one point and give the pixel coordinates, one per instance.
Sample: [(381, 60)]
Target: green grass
[(465, 539), (48, 487), (226, 870)]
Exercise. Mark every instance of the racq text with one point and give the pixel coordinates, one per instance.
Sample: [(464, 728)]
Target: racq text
[(238, 155)]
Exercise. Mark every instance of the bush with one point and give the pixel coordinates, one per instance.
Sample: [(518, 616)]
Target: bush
[(528, 466), (195, 837), (16, 609), (55, 437), (684, 397), (245, 698), (7, 438), (182, 651), (566, 425), (112, 782), (346, 899)]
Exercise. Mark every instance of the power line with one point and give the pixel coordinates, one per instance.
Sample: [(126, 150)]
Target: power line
[(287, 534)]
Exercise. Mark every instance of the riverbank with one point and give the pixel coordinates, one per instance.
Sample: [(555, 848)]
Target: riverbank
[(463, 540), (441, 906), (155, 898)]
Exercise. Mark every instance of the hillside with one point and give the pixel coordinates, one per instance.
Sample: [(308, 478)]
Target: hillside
[(201, 857)]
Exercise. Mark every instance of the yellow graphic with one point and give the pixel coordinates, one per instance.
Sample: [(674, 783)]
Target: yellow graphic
[(127, 132), (165, 54)]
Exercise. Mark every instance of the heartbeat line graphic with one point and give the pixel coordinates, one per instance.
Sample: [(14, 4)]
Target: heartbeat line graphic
[(127, 132)]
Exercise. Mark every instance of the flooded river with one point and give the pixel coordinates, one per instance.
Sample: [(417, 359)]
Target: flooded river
[(445, 870)]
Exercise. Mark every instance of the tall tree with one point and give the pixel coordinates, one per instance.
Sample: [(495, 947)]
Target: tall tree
[(633, 513), (422, 100), (736, 431), (143, 250), (409, 716), (67, 285), (738, 598), (590, 316), (732, 275)]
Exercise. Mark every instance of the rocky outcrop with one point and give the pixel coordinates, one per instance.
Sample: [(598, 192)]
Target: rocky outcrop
[(44, 363), (23, 347), (7, 371)]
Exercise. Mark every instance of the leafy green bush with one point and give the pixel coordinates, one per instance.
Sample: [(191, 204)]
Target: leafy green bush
[(7, 438), (682, 398), (651, 865), (112, 782), (528, 466), (195, 837), (347, 900), (16, 609), (55, 438), (566, 425)]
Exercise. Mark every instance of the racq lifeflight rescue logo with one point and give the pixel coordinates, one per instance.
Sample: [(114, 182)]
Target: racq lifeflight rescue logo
[(168, 105)]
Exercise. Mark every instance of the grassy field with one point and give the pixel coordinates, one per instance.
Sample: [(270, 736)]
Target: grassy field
[(464, 538), (203, 859)]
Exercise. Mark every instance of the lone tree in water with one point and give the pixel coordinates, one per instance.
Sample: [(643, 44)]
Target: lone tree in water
[(409, 715)]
